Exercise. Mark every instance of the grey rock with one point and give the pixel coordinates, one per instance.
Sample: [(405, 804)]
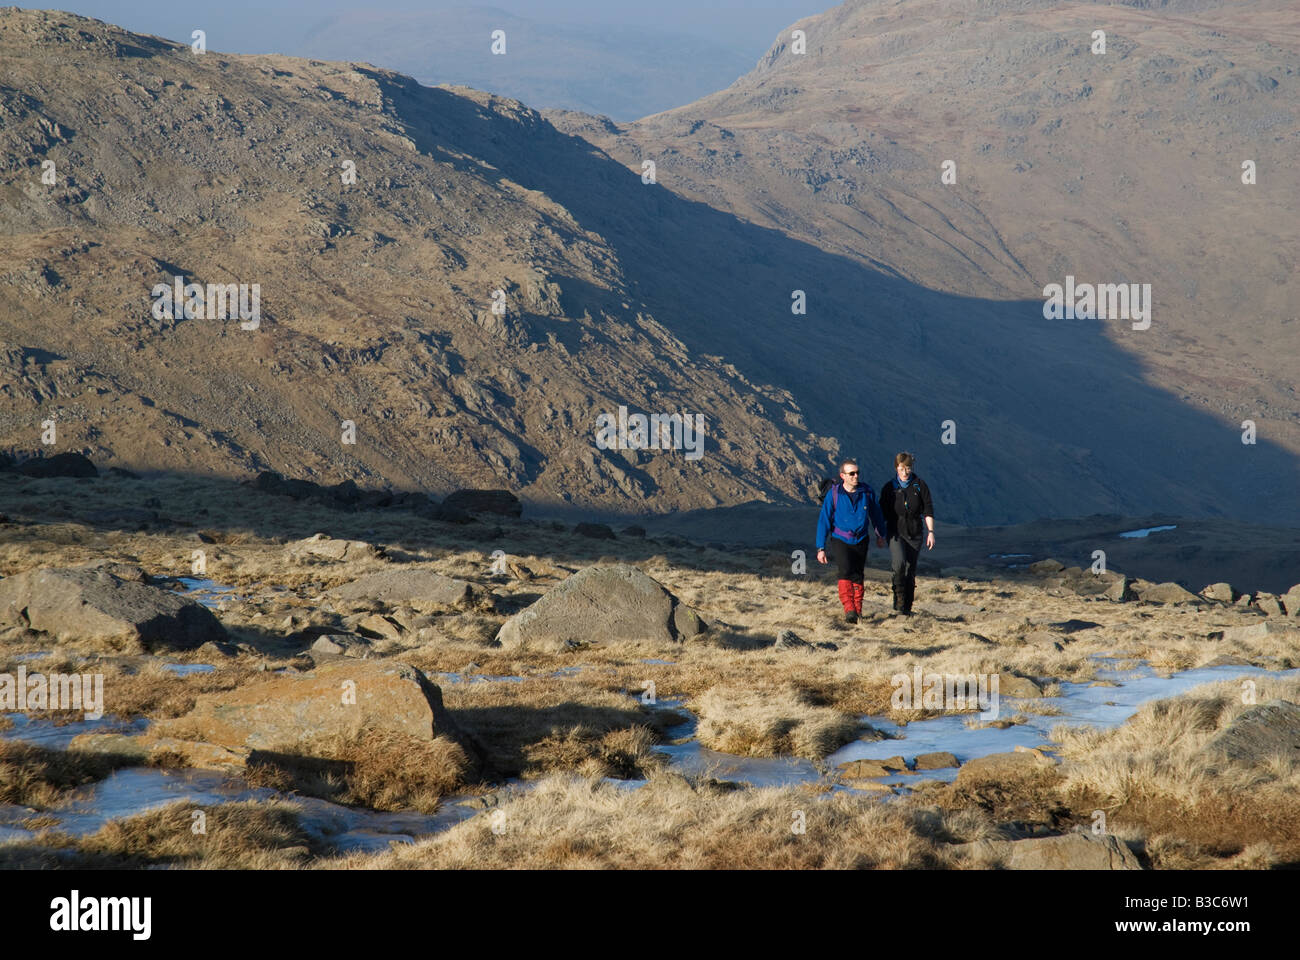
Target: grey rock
[(92, 604), (59, 465), (1258, 733), (1074, 851), (601, 604)]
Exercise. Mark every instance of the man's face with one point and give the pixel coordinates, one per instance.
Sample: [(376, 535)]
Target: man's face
[(849, 474)]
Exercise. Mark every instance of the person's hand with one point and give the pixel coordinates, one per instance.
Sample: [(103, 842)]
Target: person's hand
[(880, 541), (821, 556), (929, 540)]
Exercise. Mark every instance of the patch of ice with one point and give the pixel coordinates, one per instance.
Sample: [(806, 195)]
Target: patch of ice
[(1145, 531)]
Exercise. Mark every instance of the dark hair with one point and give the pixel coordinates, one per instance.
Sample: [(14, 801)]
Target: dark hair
[(904, 458), (844, 463)]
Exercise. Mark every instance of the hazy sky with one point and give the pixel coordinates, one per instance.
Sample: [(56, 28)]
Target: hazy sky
[(658, 53), (257, 23)]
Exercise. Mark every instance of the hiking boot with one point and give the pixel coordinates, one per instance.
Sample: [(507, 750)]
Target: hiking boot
[(851, 616)]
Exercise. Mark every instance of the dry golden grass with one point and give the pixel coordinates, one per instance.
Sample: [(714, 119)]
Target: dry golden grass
[(238, 836), (554, 723), (382, 771), (1152, 773), (670, 823), (757, 722), (751, 697)]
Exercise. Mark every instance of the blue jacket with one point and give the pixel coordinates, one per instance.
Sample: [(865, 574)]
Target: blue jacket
[(851, 515)]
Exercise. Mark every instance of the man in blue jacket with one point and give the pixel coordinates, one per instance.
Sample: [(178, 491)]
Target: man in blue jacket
[(849, 513)]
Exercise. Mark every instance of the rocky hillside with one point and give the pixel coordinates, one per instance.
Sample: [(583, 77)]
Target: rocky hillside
[(375, 301), (375, 297)]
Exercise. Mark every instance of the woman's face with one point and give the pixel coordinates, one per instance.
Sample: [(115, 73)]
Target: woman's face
[(904, 471)]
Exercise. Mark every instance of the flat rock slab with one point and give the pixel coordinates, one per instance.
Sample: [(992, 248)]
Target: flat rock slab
[(1003, 767), (601, 604), (117, 615), (419, 589), (295, 712), (328, 548), (1164, 593), (1260, 631), (1259, 733), (1074, 851), (861, 769)]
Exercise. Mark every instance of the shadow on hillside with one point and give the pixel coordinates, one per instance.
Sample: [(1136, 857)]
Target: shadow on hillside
[(1051, 418)]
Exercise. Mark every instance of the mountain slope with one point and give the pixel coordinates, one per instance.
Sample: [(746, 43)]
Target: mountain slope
[(375, 296), (375, 309), (1122, 167)]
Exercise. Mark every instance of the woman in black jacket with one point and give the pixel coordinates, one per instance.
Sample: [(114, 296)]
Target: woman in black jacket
[(905, 500)]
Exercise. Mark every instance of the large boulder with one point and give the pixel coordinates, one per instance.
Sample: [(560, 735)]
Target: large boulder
[(1221, 591), (339, 699), (95, 605), (1254, 735), (1291, 601), (602, 604), (59, 465), (1073, 851), (483, 501), (416, 588)]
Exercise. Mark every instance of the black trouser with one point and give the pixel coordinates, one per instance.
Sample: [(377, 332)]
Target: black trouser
[(850, 558), (902, 558)]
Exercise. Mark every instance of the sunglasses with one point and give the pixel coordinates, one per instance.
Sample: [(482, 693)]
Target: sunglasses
[(850, 473)]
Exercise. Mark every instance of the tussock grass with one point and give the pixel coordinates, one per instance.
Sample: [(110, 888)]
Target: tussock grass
[(625, 754), (380, 770), (239, 836), (560, 723), (768, 723), (670, 822)]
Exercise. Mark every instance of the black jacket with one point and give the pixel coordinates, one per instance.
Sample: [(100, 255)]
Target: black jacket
[(904, 508)]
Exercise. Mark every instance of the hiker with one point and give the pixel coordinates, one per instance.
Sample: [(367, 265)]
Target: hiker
[(849, 513), (908, 509)]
